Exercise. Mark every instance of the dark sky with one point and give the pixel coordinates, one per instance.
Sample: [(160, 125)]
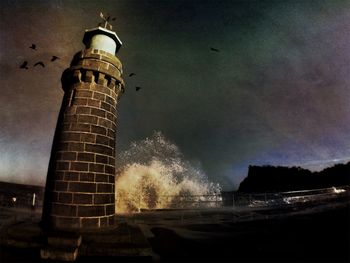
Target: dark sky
[(277, 92)]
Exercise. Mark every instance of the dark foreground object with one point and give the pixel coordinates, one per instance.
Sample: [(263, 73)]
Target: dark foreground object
[(302, 235), (319, 237), (25, 241)]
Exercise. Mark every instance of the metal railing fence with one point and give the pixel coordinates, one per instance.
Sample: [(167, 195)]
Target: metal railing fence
[(238, 199)]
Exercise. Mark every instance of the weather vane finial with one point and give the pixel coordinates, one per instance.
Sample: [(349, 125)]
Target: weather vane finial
[(106, 21)]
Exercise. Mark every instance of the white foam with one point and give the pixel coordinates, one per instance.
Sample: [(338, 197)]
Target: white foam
[(154, 175)]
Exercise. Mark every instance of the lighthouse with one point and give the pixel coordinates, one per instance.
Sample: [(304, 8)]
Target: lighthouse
[(80, 186)]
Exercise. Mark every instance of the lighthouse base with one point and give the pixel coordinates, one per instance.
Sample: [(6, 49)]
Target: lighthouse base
[(28, 241)]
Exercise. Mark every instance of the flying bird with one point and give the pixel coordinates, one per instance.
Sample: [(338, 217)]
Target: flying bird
[(33, 46), (137, 88), (214, 49), (39, 63), (24, 65), (54, 58), (131, 74)]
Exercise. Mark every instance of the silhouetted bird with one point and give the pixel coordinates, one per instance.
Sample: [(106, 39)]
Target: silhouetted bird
[(33, 46), (54, 58), (131, 74), (39, 63), (24, 65), (137, 88), (214, 49)]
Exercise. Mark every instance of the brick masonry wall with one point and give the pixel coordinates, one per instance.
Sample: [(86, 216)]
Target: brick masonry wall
[(80, 191)]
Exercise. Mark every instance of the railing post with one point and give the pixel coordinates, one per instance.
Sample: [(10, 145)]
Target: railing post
[(233, 200)]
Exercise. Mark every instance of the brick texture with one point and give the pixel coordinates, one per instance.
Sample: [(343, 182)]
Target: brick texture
[(80, 183)]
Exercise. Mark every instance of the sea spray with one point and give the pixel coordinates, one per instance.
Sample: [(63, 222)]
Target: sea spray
[(153, 174)]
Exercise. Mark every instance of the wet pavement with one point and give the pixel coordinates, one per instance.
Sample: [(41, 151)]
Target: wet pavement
[(303, 233)]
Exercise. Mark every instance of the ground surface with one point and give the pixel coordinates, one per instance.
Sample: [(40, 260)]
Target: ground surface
[(295, 234)]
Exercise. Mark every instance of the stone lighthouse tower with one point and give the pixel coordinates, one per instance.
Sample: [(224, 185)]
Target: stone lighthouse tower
[(80, 182)]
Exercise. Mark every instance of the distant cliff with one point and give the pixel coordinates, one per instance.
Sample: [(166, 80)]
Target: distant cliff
[(278, 178)]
